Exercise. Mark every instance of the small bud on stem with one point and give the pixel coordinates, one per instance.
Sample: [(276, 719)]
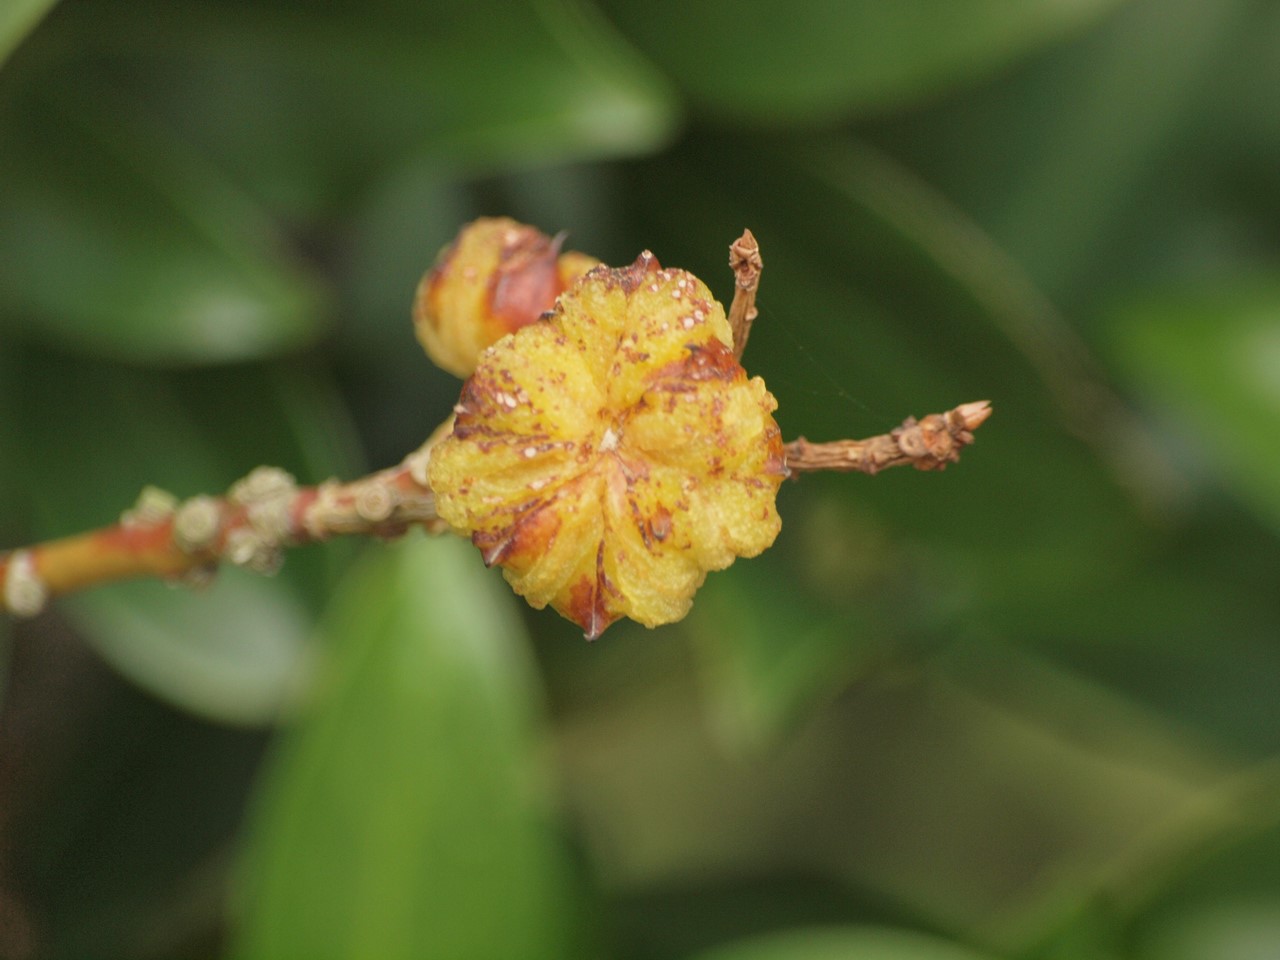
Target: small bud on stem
[(496, 277), (745, 262)]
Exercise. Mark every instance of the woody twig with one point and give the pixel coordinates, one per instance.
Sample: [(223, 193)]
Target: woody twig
[(927, 444), (745, 262), (186, 541)]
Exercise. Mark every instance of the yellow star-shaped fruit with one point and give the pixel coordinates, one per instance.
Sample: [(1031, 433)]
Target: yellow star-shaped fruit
[(610, 455)]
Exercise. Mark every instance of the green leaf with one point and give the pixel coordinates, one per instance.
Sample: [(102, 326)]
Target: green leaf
[(17, 19), (766, 669), (771, 657), (836, 943), (818, 59), (1209, 357), (1221, 897), (115, 239), (234, 652), (305, 105), (1085, 164), (405, 816), (1243, 930), (1242, 105), (134, 170)]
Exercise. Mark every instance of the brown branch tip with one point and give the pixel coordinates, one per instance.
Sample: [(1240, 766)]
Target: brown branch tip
[(927, 444), (745, 262)]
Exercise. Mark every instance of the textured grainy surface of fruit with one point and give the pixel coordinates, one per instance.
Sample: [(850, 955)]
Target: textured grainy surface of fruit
[(611, 455)]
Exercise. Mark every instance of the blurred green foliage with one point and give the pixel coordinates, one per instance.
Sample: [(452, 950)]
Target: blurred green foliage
[(1028, 708)]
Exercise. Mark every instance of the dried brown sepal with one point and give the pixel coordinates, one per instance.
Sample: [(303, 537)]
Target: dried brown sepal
[(927, 444), (745, 262), (496, 277)]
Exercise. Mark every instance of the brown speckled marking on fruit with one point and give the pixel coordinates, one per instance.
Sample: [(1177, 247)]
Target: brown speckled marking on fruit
[(630, 278), (658, 526), (530, 534)]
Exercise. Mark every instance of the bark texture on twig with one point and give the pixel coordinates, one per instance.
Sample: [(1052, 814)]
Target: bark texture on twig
[(927, 444), (745, 262), (251, 526)]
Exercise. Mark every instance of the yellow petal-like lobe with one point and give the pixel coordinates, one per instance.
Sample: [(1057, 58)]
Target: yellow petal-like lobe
[(648, 553), (611, 455), (555, 546)]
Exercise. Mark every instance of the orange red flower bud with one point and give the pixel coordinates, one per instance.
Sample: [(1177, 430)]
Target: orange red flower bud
[(497, 276)]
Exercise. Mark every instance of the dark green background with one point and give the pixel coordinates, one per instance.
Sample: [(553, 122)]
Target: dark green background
[(1028, 708)]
